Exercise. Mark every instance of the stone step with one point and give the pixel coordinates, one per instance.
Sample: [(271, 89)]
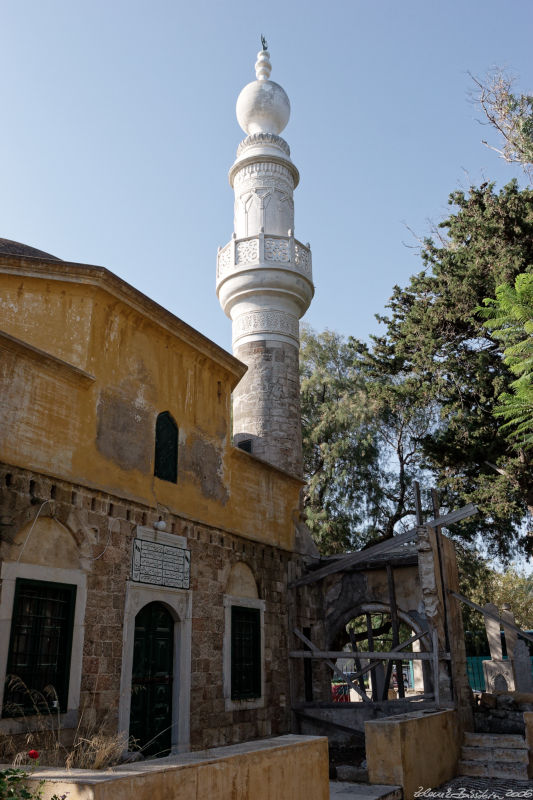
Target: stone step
[(496, 769), (494, 740), (487, 754)]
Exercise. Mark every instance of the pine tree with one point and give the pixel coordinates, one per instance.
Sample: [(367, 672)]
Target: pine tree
[(436, 346)]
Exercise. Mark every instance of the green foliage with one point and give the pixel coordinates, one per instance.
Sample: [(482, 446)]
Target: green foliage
[(13, 786), (484, 584), (514, 588), (510, 319), (359, 444), (436, 347), (339, 447)]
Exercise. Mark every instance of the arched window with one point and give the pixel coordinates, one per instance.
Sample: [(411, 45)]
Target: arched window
[(243, 641), (166, 448)]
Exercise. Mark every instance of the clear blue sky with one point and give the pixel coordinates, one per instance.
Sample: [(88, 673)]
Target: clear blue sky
[(118, 128)]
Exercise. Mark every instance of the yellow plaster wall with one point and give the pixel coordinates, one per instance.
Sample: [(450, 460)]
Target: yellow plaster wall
[(413, 750), (39, 310), (288, 768), (101, 432)]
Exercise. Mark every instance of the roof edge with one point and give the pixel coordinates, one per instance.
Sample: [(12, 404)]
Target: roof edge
[(75, 272)]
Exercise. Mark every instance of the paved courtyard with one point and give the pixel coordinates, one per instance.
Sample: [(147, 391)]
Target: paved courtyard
[(483, 789), (461, 788)]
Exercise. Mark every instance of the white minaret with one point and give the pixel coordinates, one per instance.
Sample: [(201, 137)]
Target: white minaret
[(264, 280)]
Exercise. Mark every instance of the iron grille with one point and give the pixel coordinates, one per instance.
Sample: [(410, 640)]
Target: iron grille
[(245, 653), (40, 647)]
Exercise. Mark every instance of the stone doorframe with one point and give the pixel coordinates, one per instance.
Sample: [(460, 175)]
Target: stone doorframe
[(10, 571), (179, 603)]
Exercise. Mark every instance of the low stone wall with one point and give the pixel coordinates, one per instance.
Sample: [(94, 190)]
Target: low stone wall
[(284, 768), (502, 712), (413, 750), (323, 718)]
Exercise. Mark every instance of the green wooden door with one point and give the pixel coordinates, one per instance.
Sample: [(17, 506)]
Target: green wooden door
[(151, 682)]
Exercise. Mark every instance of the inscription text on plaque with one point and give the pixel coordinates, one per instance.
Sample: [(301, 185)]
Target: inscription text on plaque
[(160, 564)]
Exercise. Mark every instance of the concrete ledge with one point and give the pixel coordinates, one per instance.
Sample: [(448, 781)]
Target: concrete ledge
[(284, 768), (413, 750)]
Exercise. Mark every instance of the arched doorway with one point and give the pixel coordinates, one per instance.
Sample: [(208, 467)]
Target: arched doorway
[(151, 683)]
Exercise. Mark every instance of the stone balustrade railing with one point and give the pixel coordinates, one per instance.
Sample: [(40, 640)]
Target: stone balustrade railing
[(262, 250)]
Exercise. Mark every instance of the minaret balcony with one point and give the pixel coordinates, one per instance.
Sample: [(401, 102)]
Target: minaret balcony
[(264, 250)]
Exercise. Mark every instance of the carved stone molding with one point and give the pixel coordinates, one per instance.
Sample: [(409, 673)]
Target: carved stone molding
[(260, 169), (277, 250), (257, 139), (302, 258), (284, 250), (253, 322), (247, 252)]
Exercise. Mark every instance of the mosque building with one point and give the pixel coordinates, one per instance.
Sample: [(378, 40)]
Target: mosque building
[(145, 546)]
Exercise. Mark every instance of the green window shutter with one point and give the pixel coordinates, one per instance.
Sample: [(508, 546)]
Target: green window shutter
[(166, 448), (40, 647), (245, 653)]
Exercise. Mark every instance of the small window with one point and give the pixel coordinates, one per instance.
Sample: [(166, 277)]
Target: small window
[(245, 653), (40, 647), (166, 448), (246, 445)]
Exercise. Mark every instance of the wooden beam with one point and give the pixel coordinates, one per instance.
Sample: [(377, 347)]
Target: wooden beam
[(453, 516), (330, 664), (496, 617), (435, 658), (444, 586), (370, 640), (418, 504), (407, 642), (351, 559), (356, 660), (395, 630), (372, 655)]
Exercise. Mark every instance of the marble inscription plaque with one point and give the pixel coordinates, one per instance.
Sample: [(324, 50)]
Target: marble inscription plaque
[(160, 564)]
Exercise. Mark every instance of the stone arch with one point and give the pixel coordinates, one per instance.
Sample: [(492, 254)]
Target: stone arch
[(41, 536), (73, 521), (241, 582), (178, 602), (422, 677), (241, 596), (416, 624)]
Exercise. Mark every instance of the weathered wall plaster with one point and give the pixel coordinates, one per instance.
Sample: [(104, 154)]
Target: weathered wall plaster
[(88, 414)]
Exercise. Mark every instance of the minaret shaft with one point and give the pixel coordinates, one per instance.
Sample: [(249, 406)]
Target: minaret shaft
[(264, 280)]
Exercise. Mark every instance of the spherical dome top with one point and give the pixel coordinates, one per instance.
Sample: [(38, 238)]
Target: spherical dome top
[(263, 106), (9, 247)]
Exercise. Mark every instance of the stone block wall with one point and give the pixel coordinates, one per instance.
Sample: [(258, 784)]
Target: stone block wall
[(266, 403), (103, 527)]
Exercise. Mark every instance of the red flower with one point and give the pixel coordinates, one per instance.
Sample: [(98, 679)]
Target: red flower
[(33, 754)]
